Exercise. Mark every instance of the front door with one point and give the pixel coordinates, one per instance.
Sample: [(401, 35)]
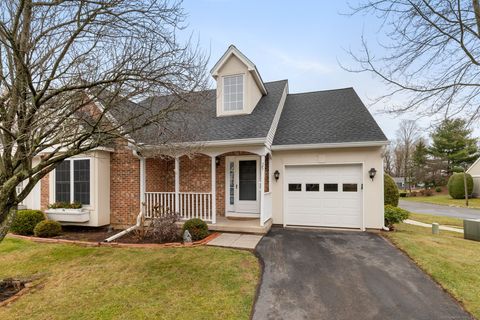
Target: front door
[(242, 185)]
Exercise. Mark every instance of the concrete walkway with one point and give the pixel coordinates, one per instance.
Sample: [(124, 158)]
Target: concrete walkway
[(438, 210), (426, 225), (236, 240)]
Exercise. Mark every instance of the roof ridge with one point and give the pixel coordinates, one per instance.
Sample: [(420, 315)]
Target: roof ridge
[(317, 91)]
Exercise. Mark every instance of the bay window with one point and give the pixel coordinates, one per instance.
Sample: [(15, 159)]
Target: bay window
[(72, 181)]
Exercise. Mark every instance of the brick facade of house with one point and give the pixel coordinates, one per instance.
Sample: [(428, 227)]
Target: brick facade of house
[(45, 192), (124, 186)]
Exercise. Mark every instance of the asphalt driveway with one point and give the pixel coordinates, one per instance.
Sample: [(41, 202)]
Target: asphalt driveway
[(311, 274), (439, 210)]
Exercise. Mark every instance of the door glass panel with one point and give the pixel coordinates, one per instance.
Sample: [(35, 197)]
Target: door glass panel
[(330, 187), (312, 187), (295, 187), (349, 187), (247, 178), (231, 178)]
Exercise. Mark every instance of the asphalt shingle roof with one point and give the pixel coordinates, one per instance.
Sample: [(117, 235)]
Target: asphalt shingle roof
[(331, 116), (211, 128)]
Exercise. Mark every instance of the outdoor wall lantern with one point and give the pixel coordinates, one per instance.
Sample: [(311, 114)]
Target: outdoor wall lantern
[(276, 175), (372, 172), (217, 161)]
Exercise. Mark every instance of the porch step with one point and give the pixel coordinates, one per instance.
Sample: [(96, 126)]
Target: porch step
[(240, 225)]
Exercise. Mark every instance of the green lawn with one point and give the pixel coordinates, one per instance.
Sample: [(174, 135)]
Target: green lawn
[(117, 283), (451, 260), (445, 200), (444, 221)]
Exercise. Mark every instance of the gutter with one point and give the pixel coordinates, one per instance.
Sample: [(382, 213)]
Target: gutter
[(330, 145)]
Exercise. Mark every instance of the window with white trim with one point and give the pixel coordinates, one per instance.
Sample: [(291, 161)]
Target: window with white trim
[(233, 93), (72, 181)]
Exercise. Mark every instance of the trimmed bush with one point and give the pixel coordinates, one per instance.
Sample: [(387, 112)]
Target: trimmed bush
[(394, 215), (390, 190), (456, 187), (403, 194), (197, 227), (438, 189), (47, 229), (25, 221)]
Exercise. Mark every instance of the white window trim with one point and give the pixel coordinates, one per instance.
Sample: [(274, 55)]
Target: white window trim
[(72, 196), (234, 112)]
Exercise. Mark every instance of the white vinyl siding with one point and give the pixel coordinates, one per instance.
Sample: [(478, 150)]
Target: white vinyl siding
[(233, 93)]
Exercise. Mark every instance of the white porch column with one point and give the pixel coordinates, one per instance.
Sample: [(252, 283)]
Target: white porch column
[(214, 189), (142, 184), (177, 185), (262, 190)]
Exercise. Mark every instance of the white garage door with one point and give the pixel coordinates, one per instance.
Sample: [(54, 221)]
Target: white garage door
[(324, 195)]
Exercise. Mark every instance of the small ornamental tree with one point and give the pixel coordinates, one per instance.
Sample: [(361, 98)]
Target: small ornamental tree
[(390, 191)]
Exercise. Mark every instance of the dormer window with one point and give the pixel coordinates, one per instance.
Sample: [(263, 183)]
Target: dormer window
[(233, 93)]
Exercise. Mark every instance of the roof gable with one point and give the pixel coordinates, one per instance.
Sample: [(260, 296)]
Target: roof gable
[(232, 50)]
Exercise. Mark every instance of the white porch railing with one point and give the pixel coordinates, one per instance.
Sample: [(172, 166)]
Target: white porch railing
[(191, 204)]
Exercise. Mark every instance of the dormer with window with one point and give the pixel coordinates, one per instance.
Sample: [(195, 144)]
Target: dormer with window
[(239, 85)]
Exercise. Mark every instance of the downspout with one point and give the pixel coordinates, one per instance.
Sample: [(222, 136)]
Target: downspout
[(142, 200)]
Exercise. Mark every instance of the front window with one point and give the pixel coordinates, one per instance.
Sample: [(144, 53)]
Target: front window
[(72, 181), (233, 93)]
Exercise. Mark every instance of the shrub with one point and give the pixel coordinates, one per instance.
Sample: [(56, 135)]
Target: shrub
[(428, 192), (456, 187), (164, 229), (412, 194), (25, 221), (421, 193), (65, 205), (390, 190), (438, 189), (47, 229), (394, 215), (197, 227), (403, 194)]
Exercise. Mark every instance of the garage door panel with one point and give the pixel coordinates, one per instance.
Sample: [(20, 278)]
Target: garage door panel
[(320, 207)]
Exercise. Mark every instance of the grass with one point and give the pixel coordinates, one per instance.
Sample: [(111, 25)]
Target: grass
[(444, 221), (446, 200), (113, 283), (451, 260)]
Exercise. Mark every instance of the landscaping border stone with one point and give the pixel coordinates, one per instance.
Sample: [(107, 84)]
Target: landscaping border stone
[(116, 244)]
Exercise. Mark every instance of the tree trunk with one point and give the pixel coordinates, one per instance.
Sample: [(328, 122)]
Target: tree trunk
[(7, 222)]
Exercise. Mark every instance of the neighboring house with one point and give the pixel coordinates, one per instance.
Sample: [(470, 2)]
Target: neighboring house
[(265, 155), (400, 182), (474, 170)]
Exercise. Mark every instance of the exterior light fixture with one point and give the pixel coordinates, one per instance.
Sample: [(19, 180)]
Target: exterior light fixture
[(372, 172), (276, 175), (217, 161)]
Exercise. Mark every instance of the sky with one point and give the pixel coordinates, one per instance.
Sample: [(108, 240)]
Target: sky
[(304, 41)]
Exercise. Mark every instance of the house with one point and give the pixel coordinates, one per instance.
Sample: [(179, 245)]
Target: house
[(400, 182), (264, 156), (474, 170)]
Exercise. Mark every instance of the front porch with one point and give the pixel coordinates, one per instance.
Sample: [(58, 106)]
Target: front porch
[(230, 190)]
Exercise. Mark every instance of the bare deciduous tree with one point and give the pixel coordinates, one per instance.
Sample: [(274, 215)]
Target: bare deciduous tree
[(432, 55), (60, 57), (408, 134)]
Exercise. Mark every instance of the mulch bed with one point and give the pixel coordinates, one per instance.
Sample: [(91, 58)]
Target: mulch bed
[(9, 288), (92, 234)]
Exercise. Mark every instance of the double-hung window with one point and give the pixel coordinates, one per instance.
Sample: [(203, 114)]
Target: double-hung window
[(72, 181), (233, 93)]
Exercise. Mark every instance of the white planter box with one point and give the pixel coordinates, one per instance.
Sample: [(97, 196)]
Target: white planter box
[(68, 215)]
